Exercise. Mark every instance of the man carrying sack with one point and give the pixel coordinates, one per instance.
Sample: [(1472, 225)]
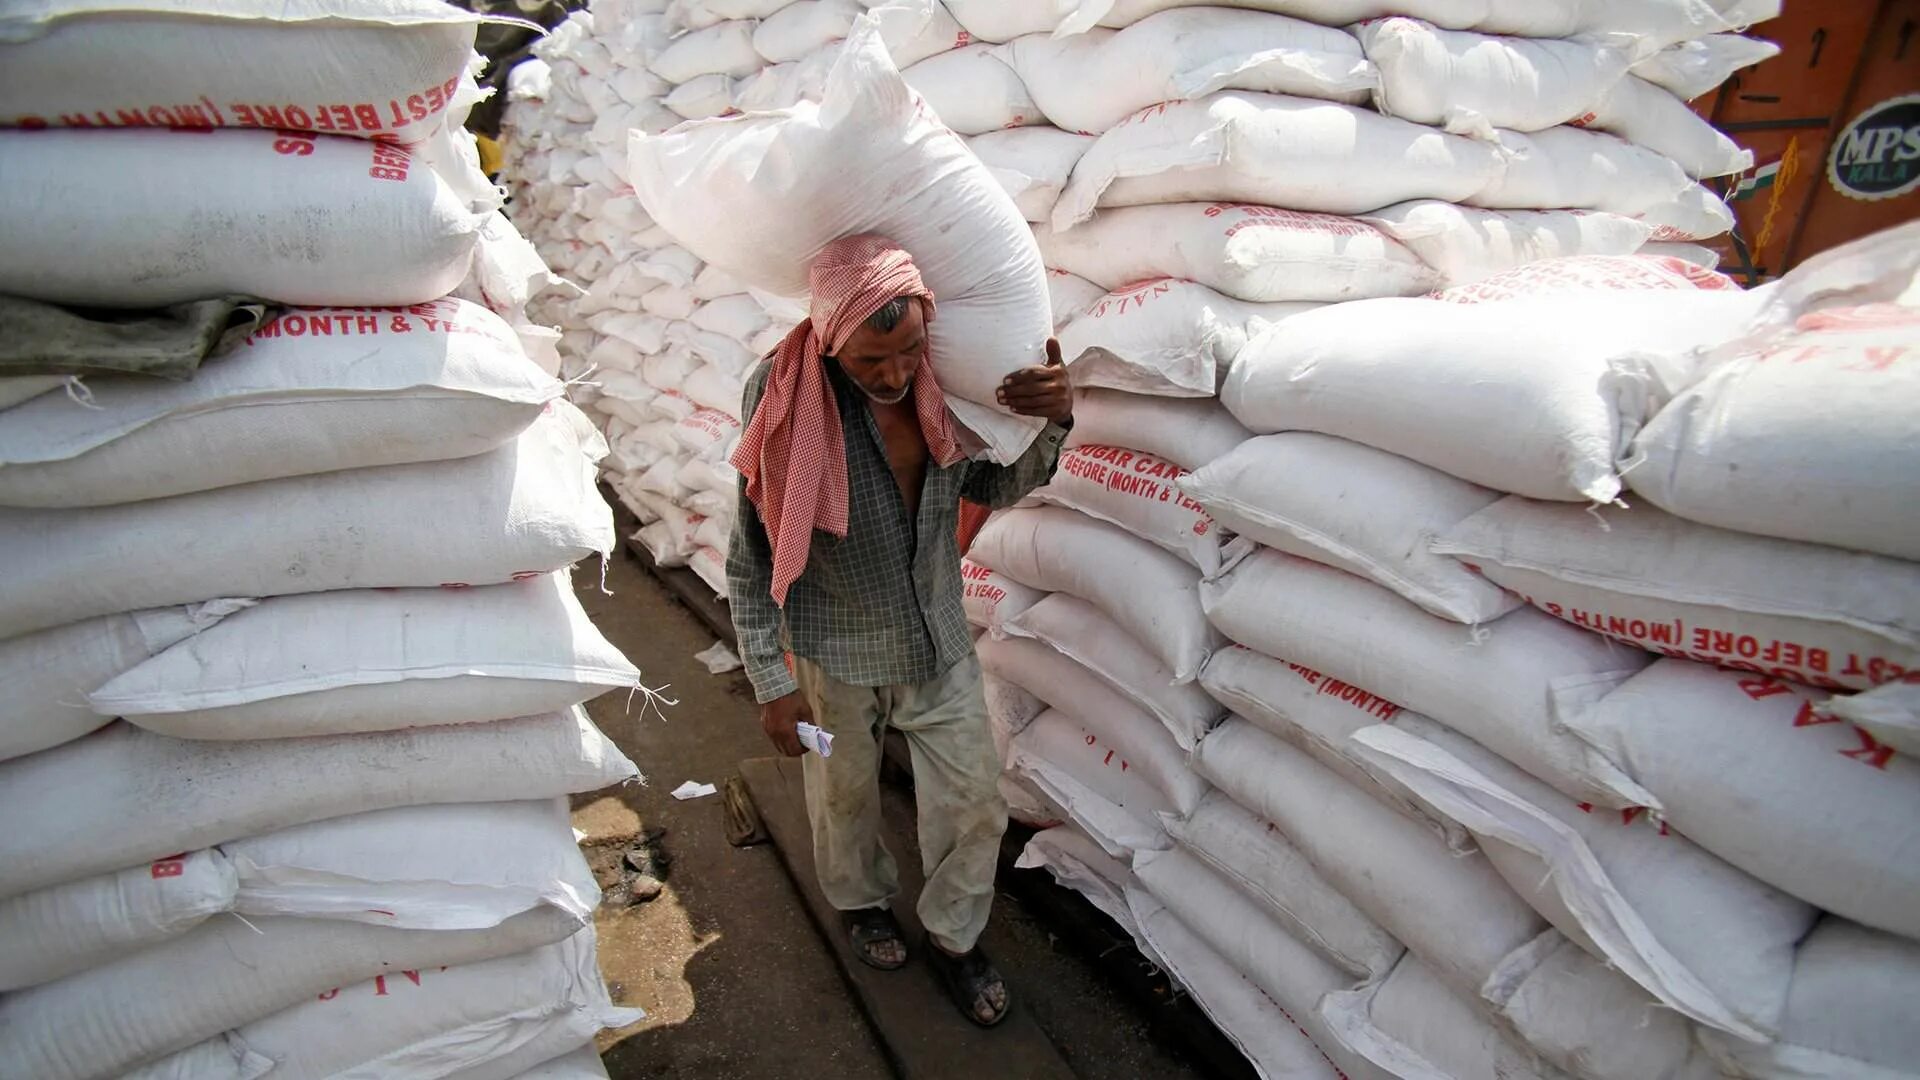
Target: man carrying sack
[(844, 557)]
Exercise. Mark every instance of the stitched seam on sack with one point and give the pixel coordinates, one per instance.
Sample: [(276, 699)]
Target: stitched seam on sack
[(1678, 592), (251, 693)]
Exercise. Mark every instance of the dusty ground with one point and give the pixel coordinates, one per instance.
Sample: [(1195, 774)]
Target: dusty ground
[(735, 980)]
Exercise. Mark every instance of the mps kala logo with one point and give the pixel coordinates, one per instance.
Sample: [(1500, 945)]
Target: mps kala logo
[(1877, 155)]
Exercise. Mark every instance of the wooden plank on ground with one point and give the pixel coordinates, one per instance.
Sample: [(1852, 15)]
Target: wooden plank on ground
[(924, 1035)]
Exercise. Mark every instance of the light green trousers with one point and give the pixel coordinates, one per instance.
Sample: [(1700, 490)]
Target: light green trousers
[(955, 782)]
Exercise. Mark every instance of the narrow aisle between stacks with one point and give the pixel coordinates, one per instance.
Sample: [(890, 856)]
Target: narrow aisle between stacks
[(735, 979)]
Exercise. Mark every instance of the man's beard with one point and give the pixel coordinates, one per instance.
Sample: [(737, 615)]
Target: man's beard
[(887, 399)]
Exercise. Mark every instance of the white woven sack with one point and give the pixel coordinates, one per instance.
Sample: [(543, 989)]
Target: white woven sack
[(717, 182), (1588, 1018), (1456, 14), (666, 371), (1846, 1011), (222, 974), (1699, 255), (673, 265), (1768, 464), (915, 30), (1068, 295), (1350, 506), (1318, 715), (1891, 712), (79, 816), (1817, 615), (459, 866), (1168, 337), (50, 933), (526, 508), (350, 660), (1466, 244), (715, 476), (1152, 594), (15, 389), (1032, 164), (767, 340), (699, 14), (1079, 631), (1414, 1027), (1138, 492), (1142, 746), (737, 316), (997, 20), (1695, 214), (439, 1021), (1692, 69), (1451, 910), (1681, 728), (1586, 273), (1240, 146), (1262, 1031), (712, 283), (1009, 710), (49, 674), (1255, 253), (1660, 23), (307, 392), (707, 433), (1644, 114), (508, 272), (146, 218), (1077, 861), (724, 49), (581, 1064), (701, 97), (1472, 83), (669, 302), (1566, 168), (802, 27), (1189, 432), (397, 71), (1508, 686), (1261, 863), (1442, 383), (713, 388), (973, 91), (644, 333), (990, 598), (668, 540), (1619, 885), (1286, 969), (1090, 82), (1089, 779)]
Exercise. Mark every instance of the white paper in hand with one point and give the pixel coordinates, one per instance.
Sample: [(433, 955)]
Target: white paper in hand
[(814, 739)]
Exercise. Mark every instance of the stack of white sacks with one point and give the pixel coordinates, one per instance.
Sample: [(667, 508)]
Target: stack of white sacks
[(1502, 889), (1348, 291), (1194, 113), (260, 628)]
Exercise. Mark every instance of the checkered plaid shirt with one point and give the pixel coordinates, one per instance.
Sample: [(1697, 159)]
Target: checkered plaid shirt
[(882, 606)]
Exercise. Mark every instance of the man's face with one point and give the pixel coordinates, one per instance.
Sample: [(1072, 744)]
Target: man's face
[(882, 363)]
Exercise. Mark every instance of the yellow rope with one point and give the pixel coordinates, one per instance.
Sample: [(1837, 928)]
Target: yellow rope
[(1789, 168)]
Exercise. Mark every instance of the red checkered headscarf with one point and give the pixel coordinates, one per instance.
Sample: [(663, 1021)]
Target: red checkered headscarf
[(793, 453)]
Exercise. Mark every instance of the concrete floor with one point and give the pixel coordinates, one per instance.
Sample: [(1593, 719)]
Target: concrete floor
[(735, 981)]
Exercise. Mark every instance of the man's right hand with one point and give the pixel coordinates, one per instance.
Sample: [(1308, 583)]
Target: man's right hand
[(780, 719)]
